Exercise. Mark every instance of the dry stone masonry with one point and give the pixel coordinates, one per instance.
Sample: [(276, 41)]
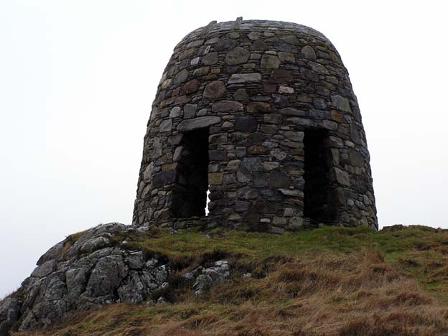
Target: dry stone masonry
[(262, 115)]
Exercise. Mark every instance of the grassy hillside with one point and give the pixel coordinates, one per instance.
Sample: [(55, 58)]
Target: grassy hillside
[(329, 281)]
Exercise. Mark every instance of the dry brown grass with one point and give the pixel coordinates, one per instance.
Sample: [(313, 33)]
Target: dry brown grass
[(355, 294)]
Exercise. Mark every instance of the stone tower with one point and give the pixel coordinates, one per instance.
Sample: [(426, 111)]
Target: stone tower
[(260, 114)]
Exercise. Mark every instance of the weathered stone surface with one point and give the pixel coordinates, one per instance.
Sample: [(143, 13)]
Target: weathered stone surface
[(226, 106), (244, 78), (290, 111), (279, 115), (246, 124), (210, 59), (214, 90), (210, 276), (191, 86), (199, 122), (285, 89), (258, 107), (341, 103), (166, 125), (175, 112), (180, 77), (80, 280), (342, 177), (270, 61), (215, 178), (308, 52), (190, 110), (237, 55)]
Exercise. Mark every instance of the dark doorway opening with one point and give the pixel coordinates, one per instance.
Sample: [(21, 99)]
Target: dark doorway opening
[(319, 193), (190, 189)]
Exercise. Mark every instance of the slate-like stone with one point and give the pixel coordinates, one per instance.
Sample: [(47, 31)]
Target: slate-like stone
[(270, 61), (191, 86), (199, 122), (278, 179), (181, 77), (163, 178), (246, 124), (241, 95), (225, 44), (341, 103), (226, 106), (244, 78), (214, 90), (290, 111), (175, 112), (308, 52), (237, 55), (258, 107), (342, 177), (166, 125), (210, 58)]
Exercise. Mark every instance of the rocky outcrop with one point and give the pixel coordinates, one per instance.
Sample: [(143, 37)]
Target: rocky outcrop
[(94, 268)]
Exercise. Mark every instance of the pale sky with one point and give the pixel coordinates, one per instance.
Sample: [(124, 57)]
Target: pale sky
[(77, 79)]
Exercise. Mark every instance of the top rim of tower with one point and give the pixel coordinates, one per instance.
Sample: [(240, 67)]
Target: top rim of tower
[(252, 25)]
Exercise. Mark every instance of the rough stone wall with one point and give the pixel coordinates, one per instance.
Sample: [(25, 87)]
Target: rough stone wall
[(258, 88)]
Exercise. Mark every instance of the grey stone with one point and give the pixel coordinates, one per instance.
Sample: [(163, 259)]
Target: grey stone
[(286, 57), (244, 78), (252, 164), (246, 124), (341, 103), (148, 172), (199, 122), (175, 112), (342, 177), (278, 179), (106, 276), (241, 95), (210, 58), (180, 77), (285, 89), (217, 155), (44, 269), (190, 110), (270, 61), (319, 68), (177, 153), (290, 111), (237, 55), (214, 90), (226, 106), (308, 52), (166, 125)]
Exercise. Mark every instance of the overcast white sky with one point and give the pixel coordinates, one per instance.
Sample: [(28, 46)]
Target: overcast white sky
[(77, 79)]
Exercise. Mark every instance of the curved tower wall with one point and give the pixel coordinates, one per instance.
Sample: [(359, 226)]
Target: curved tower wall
[(262, 114)]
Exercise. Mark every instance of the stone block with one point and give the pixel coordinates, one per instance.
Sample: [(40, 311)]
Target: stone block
[(244, 78), (199, 122), (215, 178)]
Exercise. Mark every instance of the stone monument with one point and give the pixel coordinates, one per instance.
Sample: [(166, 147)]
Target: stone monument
[(260, 117)]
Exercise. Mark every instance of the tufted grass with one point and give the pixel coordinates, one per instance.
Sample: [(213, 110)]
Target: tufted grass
[(418, 251)]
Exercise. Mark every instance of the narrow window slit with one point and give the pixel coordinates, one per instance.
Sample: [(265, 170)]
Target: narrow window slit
[(319, 202), (190, 192)]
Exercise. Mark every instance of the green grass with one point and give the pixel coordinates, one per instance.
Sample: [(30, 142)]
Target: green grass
[(417, 251)]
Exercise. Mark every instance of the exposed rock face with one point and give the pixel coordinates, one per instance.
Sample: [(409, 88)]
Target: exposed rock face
[(285, 136), (93, 269)]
